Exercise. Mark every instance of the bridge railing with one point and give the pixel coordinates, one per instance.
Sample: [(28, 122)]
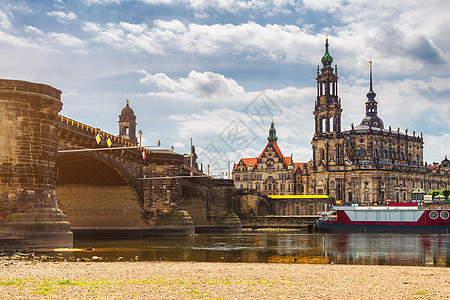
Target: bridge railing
[(95, 131), (196, 172)]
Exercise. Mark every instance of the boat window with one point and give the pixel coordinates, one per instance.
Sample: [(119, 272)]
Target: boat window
[(332, 216), (444, 214), (434, 214)]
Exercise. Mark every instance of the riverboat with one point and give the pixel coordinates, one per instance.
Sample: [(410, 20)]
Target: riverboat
[(393, 218)]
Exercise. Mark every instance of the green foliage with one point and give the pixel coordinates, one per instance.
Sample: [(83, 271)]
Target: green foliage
[(445, 193), (434, 193)]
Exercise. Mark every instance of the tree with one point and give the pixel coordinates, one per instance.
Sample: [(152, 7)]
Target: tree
[(445, 193), (434, 193)]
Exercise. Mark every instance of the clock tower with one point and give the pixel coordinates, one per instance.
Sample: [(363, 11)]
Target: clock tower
[(327, 112)]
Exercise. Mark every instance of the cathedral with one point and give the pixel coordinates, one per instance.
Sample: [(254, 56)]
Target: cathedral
[(366, 164)]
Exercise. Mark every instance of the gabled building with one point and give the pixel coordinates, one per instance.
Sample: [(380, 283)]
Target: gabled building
[(271, 172)]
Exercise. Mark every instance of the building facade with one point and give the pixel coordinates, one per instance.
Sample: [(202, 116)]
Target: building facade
[(369, 163), (271, 173)]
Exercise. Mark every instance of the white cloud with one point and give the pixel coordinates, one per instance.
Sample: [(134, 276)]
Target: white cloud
[(206, 8), (33, 30), (274, 42), (203, 86), (179, 145), (436, 146), (101, 2), (66, 40), (62, 16), (5, 23)]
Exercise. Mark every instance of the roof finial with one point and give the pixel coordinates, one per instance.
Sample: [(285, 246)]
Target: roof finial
[(326, 38), (327, 60), (128, 102)]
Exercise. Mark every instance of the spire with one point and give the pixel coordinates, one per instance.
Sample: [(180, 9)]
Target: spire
[(371, 94), (291, 165), (272, 133), (327, 60), (372, 118)]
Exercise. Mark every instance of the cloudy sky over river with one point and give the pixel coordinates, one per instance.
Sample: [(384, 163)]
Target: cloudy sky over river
[(217, 71)]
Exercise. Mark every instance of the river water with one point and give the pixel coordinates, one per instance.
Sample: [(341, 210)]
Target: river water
[(276, 247)]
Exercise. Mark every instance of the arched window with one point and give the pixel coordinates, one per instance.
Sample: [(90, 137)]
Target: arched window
[(324, 125), (361, 152), (321, 154), (331, 124)]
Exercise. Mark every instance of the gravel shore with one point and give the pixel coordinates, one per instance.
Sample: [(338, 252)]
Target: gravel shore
[(196, 280)]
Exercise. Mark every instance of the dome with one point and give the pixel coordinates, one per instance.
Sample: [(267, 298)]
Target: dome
[(327, 60), (127, 111), (250, 168), (372, 121)]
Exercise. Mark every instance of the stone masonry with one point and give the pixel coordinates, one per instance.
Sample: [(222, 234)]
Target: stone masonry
[(28, 145)]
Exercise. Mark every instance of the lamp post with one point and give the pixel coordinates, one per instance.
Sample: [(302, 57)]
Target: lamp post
[(140, 137)]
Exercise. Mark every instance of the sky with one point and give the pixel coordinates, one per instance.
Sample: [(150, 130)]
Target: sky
[(219, 71)]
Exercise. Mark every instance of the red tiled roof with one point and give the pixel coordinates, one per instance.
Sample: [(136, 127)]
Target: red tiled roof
[(286, 159), (299, 165), (247, 162)]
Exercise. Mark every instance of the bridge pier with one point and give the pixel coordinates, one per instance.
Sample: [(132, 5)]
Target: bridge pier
[(162, 196), (29, 215)]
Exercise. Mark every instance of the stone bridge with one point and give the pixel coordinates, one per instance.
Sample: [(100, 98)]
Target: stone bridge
[(134, 191), (60, 177)]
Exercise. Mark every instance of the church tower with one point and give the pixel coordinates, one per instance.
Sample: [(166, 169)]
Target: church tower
[(328, 142), (371, 119), (272, 138), (127, 124), (327, 112)]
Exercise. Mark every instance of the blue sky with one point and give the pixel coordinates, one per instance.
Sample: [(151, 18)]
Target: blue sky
[(217, 71)]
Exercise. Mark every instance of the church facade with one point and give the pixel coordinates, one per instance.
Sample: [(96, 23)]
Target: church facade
[(369, 163)]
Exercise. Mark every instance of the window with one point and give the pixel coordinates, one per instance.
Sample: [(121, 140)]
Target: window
[(361, 152), (321, 154)]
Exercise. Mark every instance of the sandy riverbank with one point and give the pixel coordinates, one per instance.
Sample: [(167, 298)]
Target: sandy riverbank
[(188, 280)]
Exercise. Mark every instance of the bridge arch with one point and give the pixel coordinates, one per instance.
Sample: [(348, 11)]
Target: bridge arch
[(97, 193), (250, 203), (194, 201)]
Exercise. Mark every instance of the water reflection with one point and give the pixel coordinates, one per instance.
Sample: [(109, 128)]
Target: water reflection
[(366, 249)]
